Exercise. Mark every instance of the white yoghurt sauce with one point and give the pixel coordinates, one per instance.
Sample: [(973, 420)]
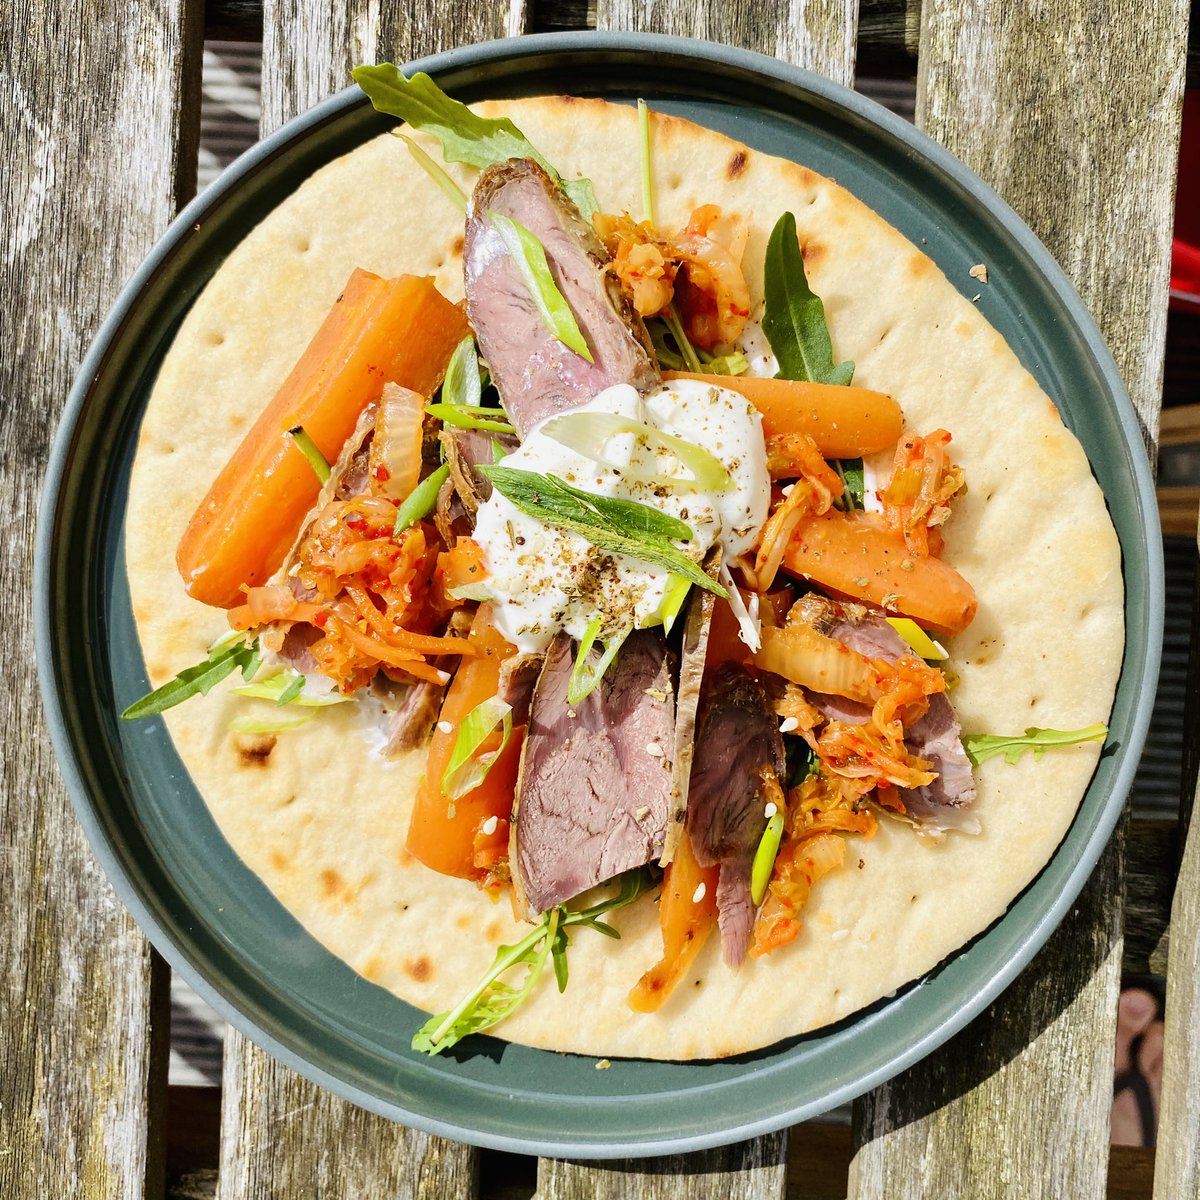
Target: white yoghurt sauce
[(543, 580)]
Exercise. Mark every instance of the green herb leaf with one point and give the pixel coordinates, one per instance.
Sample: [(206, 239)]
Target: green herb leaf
[(604, 521), (462, 384), (588, 432), (467, 768), (982, 746), (764, 858), (277, 685), (465, 137), (647, 174), (223, 659), (457, 196), (491, 1000), (585, 675), (469, 417), (794, 319), (691, 359), (269, 724), (422, 500), (851, 472), (311, 451), (530, 257)]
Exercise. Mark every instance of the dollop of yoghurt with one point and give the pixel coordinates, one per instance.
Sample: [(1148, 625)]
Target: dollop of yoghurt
[(543, 580)]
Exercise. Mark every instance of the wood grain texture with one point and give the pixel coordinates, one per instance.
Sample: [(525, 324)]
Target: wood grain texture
[(753, 1170), (1177, 1162), (96, 156), (816, 34), (1071, 111), (310, 46), (284, 1138)]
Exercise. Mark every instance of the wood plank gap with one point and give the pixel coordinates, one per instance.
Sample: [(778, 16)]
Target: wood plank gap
[(99, 127)]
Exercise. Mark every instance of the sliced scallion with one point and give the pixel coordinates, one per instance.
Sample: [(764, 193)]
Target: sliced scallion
[(311, 452), (530, 258), (457, 196), (584, 675), (463, 416), (277, 685), (268, 725), (588, 432), (647, 174), (421, 500), (764, 858), (468, 767), (462, 385)]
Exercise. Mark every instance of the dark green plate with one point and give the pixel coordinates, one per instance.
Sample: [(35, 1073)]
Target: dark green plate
[(214, 920)]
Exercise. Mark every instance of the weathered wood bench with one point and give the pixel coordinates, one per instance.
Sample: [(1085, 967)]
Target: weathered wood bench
[(1069, 108)]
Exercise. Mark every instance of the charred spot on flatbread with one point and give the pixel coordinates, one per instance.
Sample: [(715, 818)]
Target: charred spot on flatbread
[(420, 969), (254, 750), (737, 164)]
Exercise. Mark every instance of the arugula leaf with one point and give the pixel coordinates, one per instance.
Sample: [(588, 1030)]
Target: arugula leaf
[(421, 500), (530, 257), (982, 746), (465, 137), (491, 1000), (468, 416), (794, 318), (223, 659), (602, 520), (462, 384), (586, 676)]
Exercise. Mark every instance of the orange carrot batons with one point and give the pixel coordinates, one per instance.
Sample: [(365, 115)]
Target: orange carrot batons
[(401, 330), (845, 422), (852, 553)]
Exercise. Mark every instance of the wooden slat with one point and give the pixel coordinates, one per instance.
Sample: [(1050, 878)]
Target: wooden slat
[(283, 1137), (1084, 146), (753, 1170), (310, 46), (816, 34), (97, 155), (1177, 1163), (1178, 510)]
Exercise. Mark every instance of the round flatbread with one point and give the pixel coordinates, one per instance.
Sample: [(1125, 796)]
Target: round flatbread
[(321, 817)]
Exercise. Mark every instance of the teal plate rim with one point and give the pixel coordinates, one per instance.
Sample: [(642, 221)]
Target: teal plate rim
[(122, 782)]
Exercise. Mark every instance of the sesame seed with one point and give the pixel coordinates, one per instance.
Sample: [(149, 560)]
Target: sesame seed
[(838, 934), (654, 749), (788, 724), (490, 825), (604, 1064), (787, 491), (770, 810), (698, 894), (445, 727)]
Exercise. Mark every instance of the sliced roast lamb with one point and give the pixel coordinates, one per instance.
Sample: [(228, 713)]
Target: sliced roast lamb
[(594, 793), (737, 739), (466, 451), (537, 376), (936, 806)]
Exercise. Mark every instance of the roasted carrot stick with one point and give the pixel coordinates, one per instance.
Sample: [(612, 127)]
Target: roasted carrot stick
[(845, 422), (686, 924), (852, 553), (441, 832), (402, 330)]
